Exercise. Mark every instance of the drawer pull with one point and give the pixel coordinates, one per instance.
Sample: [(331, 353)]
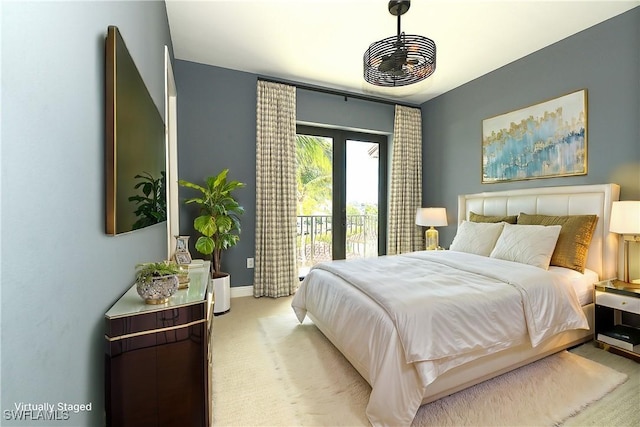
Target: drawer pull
[(624, 303)]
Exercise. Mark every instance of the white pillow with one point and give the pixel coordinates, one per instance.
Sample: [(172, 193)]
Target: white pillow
[(527, 244), (476, 237)]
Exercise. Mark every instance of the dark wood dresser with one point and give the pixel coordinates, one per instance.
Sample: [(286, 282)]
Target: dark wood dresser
[(157, 357)]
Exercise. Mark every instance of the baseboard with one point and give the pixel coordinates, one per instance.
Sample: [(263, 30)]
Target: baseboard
[(241, 291)]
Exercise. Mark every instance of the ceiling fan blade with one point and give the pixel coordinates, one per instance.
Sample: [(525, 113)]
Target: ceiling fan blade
[(394, 61)]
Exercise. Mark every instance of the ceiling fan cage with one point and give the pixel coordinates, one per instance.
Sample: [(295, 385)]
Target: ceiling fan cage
[(399, 60)]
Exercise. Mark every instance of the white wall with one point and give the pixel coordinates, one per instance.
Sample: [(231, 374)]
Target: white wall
[(60, 272)]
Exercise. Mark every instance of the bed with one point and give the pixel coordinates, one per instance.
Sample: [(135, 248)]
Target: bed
[(477, 317)]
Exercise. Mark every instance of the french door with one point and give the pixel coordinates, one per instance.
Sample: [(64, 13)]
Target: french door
[(342, 197)]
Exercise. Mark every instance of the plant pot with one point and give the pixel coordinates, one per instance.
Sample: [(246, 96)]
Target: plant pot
[(159, 290), (221, 294)]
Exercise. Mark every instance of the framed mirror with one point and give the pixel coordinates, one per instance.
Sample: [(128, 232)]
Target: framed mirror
[(135, 155)]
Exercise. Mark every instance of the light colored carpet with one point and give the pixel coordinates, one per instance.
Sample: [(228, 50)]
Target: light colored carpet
[(269, 370)]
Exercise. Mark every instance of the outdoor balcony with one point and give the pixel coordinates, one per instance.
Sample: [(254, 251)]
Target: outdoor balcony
[(313, 244)]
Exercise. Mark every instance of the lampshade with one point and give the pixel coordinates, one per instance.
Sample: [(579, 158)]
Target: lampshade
[(625, 217), (625, 220), (431, 217), (402, 59)]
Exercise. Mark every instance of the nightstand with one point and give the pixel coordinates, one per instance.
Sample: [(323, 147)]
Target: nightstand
[(617, 316)]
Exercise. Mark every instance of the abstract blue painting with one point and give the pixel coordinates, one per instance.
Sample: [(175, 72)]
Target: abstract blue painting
[(545, 140)]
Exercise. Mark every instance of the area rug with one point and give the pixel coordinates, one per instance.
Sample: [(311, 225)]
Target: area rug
[(322, 388)]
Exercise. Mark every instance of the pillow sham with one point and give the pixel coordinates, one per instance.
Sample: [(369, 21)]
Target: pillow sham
[(527, 244), (476, 237), (574, 239), (509, 219)]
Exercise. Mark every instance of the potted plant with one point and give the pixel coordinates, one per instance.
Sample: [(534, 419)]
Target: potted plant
[(218, 223), (156, 281)]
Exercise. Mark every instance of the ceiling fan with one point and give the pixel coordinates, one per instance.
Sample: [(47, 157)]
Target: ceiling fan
[(402, 59)]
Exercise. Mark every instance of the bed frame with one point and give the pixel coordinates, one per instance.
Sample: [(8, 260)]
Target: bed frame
[(602, 256)]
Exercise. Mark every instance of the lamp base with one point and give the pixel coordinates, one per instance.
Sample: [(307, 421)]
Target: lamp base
[(626, 239), (431, 239)]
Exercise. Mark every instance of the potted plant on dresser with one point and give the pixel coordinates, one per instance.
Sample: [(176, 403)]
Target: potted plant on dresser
[(156, 282), (218, 223)]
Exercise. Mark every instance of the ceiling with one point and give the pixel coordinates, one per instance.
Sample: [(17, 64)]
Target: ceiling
[(321, 42)]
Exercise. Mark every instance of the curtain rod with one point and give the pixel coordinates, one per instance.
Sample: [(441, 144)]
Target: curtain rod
[(337, 92)]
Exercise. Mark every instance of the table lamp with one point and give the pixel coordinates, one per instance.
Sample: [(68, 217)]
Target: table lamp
[(625, 220), (431, 217)]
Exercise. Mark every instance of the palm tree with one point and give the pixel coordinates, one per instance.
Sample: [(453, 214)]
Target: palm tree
[(313, 172)]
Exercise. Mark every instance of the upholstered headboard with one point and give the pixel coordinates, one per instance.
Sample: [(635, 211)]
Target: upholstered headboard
[(567, 200)]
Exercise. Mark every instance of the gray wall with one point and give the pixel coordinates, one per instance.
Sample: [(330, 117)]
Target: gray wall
[(217, 130), (60, 271), (604, 59)]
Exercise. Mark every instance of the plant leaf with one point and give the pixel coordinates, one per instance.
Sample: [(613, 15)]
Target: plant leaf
[(206, 225), (204, 245)]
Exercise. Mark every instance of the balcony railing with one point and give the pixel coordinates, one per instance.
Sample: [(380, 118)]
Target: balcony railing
[(315, 235)]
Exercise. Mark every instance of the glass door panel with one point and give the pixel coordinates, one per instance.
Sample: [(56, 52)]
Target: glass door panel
[(314, 158), (362, 190)]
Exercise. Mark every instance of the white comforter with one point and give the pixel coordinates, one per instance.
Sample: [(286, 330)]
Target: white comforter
[(439, 310)]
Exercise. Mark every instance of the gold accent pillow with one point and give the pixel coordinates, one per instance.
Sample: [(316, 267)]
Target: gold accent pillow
[(573, 242), (509, 219)]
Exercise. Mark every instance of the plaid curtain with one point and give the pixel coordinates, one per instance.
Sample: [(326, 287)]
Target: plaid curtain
[(406, 182), (275, 272)]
